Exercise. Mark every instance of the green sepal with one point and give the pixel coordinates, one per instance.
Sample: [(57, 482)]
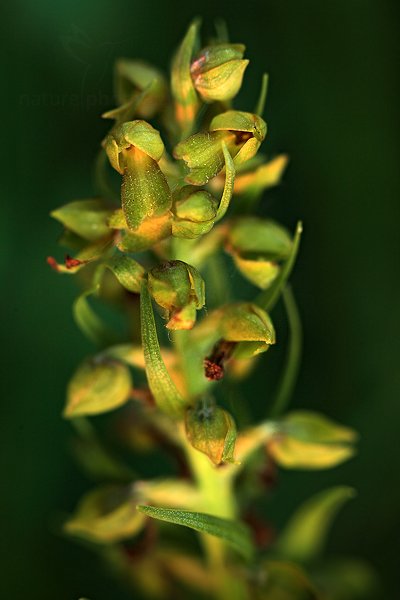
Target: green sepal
[(245, 322), (211, 430), (105, 516), (144, 192), (166, 394), (253, 183), (86, 218), (256, 238), (234, 533), (257, 246), (236, 120), (138, 134), (99, 385)]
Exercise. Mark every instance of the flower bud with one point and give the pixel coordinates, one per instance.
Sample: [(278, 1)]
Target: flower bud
[(132, 77), (186, 101), (257, 247), (308, 440), (134, 149), (179, 289), (194, 212), (211, 430), (218, 70), (203, 152)]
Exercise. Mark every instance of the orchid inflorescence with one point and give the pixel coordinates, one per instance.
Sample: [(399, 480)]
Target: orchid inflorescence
[(164, 241)]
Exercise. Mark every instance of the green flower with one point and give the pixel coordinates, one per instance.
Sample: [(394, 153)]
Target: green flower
[(179, 289), (258, 246), (194, 212), (218, 70), (203, 154), (134, 149)]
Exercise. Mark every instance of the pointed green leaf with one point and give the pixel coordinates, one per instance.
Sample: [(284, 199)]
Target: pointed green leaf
[(305, 534), (96, 387), (165, 393), (236, 534)]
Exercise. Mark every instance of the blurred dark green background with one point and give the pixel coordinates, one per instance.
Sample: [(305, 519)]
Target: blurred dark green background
[(333, 106)]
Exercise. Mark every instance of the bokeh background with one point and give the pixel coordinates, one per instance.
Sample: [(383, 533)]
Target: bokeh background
[(333, 106)]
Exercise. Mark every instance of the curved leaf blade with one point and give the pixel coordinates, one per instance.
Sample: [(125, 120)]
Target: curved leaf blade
[(165, 393), (233, 533)]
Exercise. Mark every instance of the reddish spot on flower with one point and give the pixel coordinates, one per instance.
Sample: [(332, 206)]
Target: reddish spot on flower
[(52, 262), (213, 371), (214, 364), (70, 262)]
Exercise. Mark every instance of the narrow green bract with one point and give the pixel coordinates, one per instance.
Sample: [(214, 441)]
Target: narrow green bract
[(165, 393), (234, 533)]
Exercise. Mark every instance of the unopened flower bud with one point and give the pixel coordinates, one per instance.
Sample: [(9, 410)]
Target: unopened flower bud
[(134, 149), (179, 289), (203, 152), (194, 212), (132, 77), (218, 70)]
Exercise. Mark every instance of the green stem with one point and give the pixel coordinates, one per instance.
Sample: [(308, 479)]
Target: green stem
[(217, 498), (289, 376)]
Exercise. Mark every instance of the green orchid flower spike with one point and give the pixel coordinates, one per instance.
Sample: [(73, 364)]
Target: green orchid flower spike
[(180, 271)]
